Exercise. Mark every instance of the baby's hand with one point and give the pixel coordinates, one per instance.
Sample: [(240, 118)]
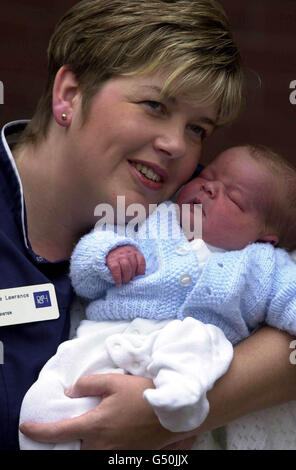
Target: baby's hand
[(125, 262)]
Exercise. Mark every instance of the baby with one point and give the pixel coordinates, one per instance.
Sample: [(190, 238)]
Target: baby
[(177, 322)]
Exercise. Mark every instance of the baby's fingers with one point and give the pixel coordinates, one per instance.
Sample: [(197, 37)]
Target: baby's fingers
[(115, 269), (127, 270), (141, 264)]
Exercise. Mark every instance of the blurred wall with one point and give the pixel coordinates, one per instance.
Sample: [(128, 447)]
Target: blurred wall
[(264, 29)]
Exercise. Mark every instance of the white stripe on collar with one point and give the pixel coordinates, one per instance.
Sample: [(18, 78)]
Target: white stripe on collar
[(10, 156)]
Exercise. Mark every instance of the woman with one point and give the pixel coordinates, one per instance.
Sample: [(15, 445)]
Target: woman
[(129, 81)]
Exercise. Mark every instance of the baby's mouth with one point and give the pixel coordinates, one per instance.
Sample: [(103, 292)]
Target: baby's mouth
[(197, 202)]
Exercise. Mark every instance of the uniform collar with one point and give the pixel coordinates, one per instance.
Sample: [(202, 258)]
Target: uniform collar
[(10, 134)]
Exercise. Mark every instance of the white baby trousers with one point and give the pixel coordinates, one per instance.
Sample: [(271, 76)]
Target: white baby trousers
[(184, 359)]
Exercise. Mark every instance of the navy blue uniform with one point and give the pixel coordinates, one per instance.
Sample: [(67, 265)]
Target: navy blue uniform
[(26, 347)]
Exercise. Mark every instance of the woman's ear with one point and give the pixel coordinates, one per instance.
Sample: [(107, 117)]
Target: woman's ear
[(65, 90), (273, 239)]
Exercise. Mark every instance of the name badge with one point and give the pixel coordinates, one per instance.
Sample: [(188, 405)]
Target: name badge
[(28, 304)]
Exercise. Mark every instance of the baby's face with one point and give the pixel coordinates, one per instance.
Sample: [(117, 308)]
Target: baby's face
[(233, 190)]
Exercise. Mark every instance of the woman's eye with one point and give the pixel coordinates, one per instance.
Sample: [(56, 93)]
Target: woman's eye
[(154, 105), (199, 131)]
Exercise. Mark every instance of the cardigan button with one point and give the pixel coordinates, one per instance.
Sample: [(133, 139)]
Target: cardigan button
[(185, 280)]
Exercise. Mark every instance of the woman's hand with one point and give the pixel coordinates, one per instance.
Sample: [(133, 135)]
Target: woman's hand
[(123, 419), (259, 376)]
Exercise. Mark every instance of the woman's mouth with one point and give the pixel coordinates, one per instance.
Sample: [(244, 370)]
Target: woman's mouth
[(149, 174)]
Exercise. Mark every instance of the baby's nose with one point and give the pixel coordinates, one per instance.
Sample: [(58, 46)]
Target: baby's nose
[(212, 188)]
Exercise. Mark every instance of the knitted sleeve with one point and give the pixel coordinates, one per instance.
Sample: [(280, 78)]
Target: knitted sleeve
[(281, 312), (89, 273)]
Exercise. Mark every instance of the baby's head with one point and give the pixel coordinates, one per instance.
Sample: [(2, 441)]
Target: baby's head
[(248, 194)]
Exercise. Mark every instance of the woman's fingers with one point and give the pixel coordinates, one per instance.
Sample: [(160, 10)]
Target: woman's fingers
[(107, 426), (91, 386), (62, 431), (76, 428)]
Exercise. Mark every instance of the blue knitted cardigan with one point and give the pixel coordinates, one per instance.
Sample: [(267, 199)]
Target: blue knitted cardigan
[(236, 290)]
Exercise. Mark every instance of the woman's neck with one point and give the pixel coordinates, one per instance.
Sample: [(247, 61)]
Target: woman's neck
[(53, 219)]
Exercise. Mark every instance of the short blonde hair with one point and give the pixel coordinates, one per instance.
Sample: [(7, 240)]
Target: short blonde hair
[(280, 215), (100, 39)]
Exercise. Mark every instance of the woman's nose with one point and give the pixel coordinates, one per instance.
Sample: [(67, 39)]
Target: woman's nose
[(171, 142)]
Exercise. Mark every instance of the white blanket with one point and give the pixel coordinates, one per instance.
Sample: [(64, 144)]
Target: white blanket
[(184, 359)]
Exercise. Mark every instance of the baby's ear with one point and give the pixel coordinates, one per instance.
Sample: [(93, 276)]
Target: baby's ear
[(273, 239)]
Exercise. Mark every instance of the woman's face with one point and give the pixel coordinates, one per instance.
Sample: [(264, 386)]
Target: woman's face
[(136, 144)]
